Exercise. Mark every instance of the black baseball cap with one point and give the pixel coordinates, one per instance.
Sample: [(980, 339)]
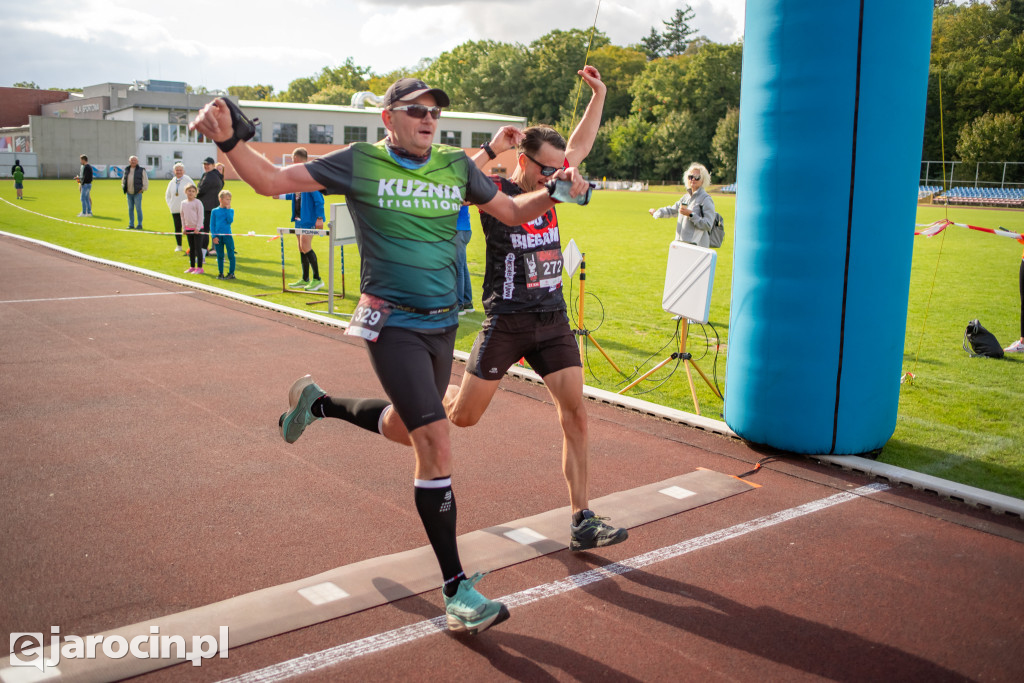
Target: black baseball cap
[(209, 160), (409, 89)]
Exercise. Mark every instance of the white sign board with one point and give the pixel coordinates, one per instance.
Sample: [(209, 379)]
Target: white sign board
[(343, 228), (571, 258), (688, 280)]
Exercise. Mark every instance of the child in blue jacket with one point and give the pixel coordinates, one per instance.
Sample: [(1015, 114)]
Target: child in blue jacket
[(220, 230)]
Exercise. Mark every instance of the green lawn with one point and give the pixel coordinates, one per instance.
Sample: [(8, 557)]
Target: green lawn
[(957, 420)]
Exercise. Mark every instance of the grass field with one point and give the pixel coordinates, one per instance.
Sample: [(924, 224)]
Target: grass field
[(959, 420)]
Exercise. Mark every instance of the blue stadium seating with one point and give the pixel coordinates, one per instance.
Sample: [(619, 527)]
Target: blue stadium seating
[(988, 196)]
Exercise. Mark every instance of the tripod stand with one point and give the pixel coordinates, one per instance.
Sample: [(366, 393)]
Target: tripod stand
[(687, 359), (582, 331)]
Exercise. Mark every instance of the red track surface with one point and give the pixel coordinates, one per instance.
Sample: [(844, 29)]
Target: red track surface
[(143, 474)]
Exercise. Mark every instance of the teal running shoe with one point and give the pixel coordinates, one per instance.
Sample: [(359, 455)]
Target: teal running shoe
[(301, 396), (592, 532), (470, 612)]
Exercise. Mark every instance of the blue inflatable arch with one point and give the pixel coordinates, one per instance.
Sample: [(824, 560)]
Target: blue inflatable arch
[(832, 107)]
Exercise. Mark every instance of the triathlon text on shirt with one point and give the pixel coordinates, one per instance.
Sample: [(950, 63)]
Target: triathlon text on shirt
[(419, 194)]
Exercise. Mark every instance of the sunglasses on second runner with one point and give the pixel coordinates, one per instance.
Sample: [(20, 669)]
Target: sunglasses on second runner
[(419, 111), (546, 171)]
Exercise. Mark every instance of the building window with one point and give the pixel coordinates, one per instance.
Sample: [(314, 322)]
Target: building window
[(151, 132), (355, 134), (321, 134), (153, 162), (179, 156), (258, 137), (382, 132), (451, 137), (286, 132), (480, 138)]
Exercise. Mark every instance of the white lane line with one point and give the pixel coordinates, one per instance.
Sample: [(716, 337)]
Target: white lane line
[(407, 634), (98, 296)]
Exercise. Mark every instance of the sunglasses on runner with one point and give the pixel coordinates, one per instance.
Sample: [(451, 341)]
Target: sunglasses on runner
[(693, 177), (546, 171), (419, 111)]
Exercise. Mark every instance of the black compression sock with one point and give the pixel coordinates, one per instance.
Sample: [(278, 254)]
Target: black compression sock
[(311, 260), (305, 265), (362, 412), (435, 502)]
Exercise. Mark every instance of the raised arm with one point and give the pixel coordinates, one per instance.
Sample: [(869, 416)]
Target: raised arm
[(214, 121), (582, 139), (507, 137), (526, 207)]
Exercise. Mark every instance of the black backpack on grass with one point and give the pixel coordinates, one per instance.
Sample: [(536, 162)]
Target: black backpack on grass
[(983, 342)]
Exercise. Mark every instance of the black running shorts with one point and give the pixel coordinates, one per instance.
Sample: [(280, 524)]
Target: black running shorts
[(543, 339), (415, 368)]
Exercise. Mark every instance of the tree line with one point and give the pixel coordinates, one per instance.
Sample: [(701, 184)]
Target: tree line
[(673, 98)]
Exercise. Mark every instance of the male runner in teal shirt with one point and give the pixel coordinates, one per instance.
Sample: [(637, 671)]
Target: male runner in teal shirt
[(405, 193)]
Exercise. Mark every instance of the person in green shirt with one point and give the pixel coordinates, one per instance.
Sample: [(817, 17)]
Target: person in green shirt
[(19, 176), (404, 194)]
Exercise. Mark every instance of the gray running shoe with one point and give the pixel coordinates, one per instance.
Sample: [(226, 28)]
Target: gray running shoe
[(592, 532), (470, 612), (301, 396)]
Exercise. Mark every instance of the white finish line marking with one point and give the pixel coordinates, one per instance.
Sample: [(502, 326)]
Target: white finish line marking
[(525, 535), (677, 492), (98, 296), (407, 634)]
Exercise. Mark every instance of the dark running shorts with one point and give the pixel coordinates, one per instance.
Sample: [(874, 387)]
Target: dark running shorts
[(415, 368), (543, 339)]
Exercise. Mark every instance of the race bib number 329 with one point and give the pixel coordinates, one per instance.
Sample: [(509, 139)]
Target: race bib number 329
[(369, 317)]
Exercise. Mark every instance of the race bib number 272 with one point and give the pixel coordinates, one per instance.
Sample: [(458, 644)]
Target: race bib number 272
[(543, 268)]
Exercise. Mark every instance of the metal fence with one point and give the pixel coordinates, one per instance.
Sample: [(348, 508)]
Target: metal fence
[(949, 174)]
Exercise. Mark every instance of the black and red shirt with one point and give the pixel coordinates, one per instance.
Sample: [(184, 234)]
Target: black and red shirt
[(523, 270)]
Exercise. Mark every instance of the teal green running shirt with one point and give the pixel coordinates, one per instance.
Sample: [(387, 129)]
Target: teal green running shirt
[(405, 222)]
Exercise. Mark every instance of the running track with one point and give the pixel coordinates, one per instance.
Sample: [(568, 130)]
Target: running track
[(143, 475)]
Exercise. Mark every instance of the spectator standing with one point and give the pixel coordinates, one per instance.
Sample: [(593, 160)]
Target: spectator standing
[(134, 182), (307, 214), (210, 185), (19, 177), (175, 195), (695, 210), (84, 179), (220, 231), (463, 285), (192, 222)]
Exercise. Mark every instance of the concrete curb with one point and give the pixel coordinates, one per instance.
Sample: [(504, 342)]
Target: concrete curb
[(970, 495)]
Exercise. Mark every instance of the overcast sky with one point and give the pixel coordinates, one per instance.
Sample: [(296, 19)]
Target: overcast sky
[(74, 43)]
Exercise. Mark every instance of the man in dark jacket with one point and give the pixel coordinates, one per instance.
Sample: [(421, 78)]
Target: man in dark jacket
[(84, 179), (134, 182), (210, 186)]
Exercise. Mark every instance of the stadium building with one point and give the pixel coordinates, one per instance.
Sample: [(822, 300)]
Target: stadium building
[(111, 121)]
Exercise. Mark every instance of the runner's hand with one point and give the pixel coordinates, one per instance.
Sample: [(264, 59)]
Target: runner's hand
[(593, 78), (507, 137), (214, 121), (572, 174)]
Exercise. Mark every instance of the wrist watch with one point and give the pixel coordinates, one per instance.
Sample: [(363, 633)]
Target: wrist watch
[(487, 148)]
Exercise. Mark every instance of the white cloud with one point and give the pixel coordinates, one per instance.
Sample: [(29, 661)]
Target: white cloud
[(60, 44)]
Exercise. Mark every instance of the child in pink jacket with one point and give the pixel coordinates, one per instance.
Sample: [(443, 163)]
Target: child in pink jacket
[(192, 224)]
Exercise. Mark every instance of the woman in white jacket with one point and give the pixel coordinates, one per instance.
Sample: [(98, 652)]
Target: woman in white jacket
[(175, 195), (695, 211)]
